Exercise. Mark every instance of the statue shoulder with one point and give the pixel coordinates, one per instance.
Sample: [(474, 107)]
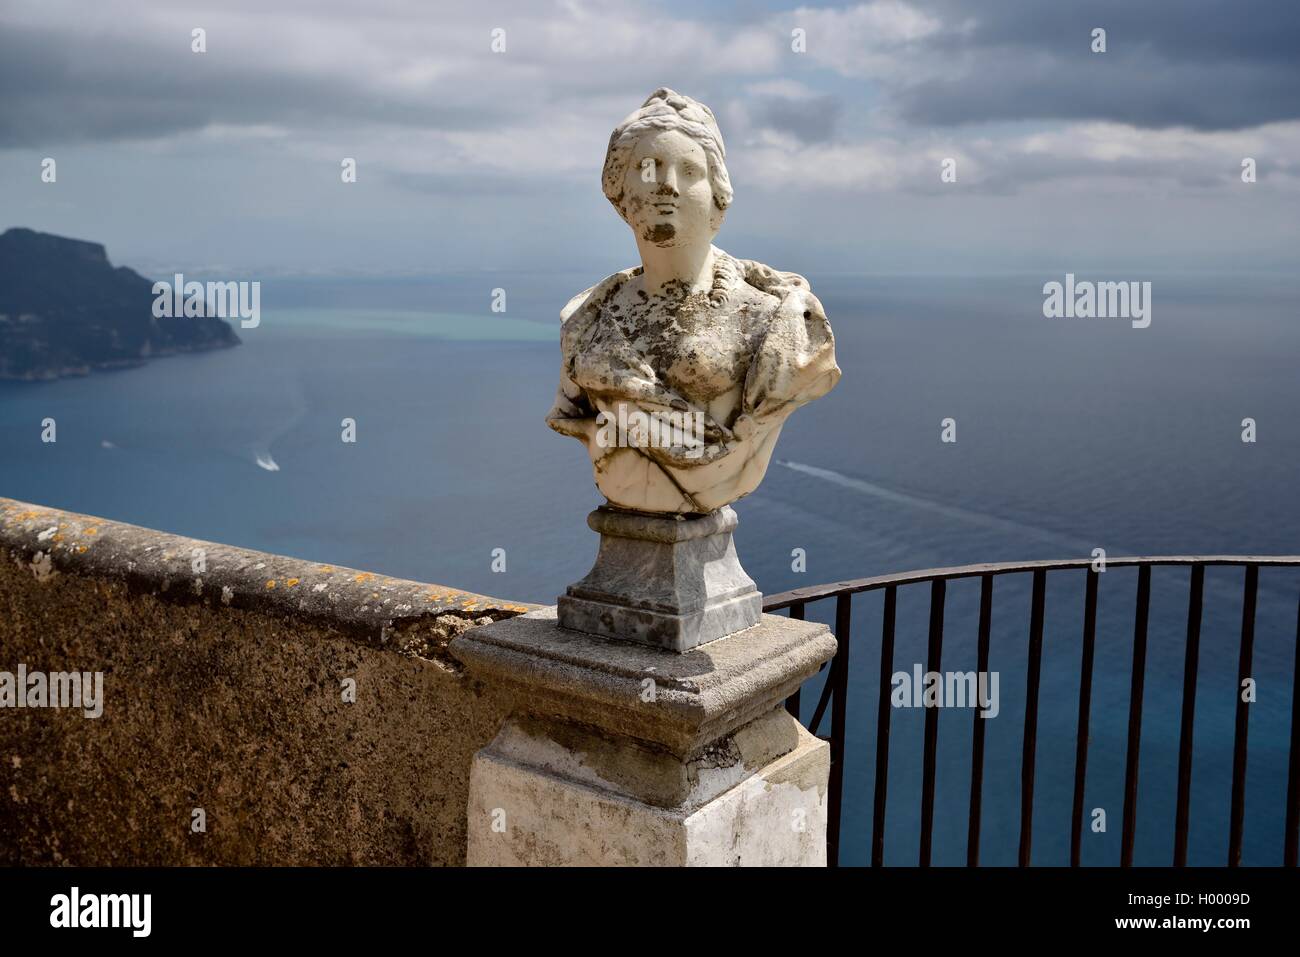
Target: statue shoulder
[(774, 282), (597, 293), (781, 292)]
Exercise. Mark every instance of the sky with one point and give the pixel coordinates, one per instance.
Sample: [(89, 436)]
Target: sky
[(469, 160)]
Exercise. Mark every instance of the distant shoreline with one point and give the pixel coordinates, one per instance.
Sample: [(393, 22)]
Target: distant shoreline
[(108, 365)]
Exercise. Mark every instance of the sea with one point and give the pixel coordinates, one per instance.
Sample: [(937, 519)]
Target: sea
[(1070, 435)]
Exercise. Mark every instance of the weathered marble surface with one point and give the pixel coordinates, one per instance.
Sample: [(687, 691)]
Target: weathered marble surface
[(729, 346), (615, 754), (700, 696), (663, 580)]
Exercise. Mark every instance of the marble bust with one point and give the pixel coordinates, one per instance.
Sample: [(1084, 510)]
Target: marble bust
[(678, 374)]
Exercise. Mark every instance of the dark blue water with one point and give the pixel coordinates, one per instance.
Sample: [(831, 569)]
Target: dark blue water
[(1071, 435)]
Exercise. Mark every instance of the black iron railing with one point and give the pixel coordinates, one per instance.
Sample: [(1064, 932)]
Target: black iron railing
[(835, 696)]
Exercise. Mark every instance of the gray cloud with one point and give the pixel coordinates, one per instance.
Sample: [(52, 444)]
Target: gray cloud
[(1002, 89), (66, 87), (126, 72), (811, 119), (1206, 64), (468, 158)]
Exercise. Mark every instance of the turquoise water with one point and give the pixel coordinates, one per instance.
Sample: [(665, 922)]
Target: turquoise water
[(1071, 435)]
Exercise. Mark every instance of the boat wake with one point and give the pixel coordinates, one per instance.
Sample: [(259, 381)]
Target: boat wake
[(1073, 546)]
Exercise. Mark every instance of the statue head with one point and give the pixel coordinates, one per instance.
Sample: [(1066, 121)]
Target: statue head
[(665, 171)]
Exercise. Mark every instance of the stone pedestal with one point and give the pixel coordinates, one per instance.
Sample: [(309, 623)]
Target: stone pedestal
[(620, 753), (672, 582)]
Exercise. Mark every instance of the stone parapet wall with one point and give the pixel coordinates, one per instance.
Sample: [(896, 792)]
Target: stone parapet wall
[(225, 673)]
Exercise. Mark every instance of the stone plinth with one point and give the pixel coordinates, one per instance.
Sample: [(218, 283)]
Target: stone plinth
[(671, 582), (618, 753)]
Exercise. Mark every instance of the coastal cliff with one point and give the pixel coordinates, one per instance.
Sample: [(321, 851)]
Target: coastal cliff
[(66, 310)]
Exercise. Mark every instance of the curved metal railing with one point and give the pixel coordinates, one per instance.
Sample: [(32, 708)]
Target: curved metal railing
[(835, 694)]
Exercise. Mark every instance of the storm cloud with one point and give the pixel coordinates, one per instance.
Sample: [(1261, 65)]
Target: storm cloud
[(246, 139), (1205, 64)]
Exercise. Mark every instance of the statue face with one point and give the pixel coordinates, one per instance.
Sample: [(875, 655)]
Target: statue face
[(667, 193)]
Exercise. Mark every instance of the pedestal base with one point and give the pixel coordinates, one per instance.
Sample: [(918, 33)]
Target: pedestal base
[(527, 814), (620, 753), (673, 583)]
